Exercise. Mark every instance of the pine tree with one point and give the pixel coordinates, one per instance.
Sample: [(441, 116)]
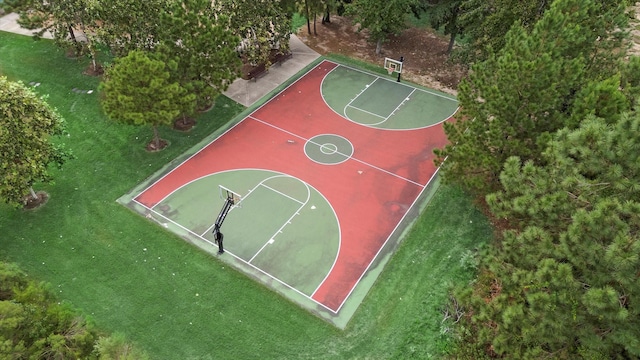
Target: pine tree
[(511, 103), (138, 90), (444, 15), (568, 272), (127, 25), (486, 23), (194, 36)]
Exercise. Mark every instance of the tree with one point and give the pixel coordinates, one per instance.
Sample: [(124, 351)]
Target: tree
[(35, 326), (138, 90), (311, 8), (511, 103), (381, 17), (127, 25), (204, 51), (62, 18), (443, 14), (566, 277), (262, 25), (27, 127), (486, 23), (116, 347)]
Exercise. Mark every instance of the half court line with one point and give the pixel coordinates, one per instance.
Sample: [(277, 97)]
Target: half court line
[(350, 157)]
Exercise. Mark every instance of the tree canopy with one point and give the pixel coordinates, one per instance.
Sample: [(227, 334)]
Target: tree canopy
[(196, 38), (512, 102), (127, 25), (380, 17), (62, 18), (486, 23), (262, 25), (566, 277), (138, 90), (35, 325), (444, 15), (548, 129), (27, 128)]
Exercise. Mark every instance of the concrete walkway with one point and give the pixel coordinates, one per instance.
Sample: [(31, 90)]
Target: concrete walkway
[(9, 23), (246, 92)]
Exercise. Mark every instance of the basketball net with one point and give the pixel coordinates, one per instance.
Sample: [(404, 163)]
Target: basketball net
[(236, 201), (390, 70)]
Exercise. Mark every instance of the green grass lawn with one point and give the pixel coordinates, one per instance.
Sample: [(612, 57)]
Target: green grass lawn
[(174, 301)]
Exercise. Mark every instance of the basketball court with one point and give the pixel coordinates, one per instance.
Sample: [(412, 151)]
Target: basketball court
[(323, 179)]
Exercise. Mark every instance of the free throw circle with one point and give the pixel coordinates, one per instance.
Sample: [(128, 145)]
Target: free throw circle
[(328, 149)]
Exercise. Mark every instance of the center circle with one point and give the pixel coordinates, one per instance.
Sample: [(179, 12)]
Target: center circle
[(328, 149)]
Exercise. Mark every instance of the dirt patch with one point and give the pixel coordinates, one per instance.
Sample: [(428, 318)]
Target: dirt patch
[(31, 203), (91, 70), (184, 124), (153, 147), (424, 51), (635, 30)]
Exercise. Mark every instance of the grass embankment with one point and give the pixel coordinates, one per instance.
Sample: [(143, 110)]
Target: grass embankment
[(174, 301)]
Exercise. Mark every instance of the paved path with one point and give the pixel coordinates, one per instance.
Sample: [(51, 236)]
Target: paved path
[(246, 92), (9, 23)]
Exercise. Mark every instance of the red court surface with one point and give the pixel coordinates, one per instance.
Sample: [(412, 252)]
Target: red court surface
[(370, 192)]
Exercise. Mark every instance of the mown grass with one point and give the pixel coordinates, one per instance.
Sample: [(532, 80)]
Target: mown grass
[(131, 276)]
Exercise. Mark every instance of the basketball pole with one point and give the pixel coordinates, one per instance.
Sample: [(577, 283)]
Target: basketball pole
[(400, 72)]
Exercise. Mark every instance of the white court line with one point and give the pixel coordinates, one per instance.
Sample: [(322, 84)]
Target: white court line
[(366, 270), (239, 258), (364, 111), (401, 103), (383, 78), (229, 129), (168, 220), (390, 115), (344, 111), (297, 212), (281, 193), (376, 77), (351, 157)]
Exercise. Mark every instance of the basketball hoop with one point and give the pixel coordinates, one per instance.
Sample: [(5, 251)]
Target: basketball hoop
[(390, 70)]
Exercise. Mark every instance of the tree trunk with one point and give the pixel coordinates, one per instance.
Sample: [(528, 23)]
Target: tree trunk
[(92, 50), (33, 193), (454, 31), (306, 6), (156, 137), (452, 41), (378, 46), (72, 35), (326, 18), (314, 24)]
